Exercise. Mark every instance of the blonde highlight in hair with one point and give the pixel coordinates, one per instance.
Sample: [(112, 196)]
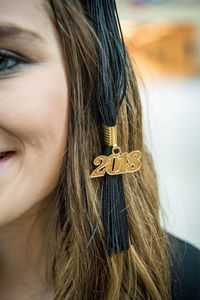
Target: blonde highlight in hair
[(73, 271)]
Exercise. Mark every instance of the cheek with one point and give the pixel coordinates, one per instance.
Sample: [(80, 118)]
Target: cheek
[(35, 112), (36, 105)]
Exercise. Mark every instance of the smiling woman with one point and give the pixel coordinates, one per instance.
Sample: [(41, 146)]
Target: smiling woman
[(64, 72), (33, 123)]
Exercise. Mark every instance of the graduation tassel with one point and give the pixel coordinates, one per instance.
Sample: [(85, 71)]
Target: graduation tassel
[(111, 90)]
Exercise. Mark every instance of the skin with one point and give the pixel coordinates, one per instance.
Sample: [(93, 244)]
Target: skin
[(33, 121)]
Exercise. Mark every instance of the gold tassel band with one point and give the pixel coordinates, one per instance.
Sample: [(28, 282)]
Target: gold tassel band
[(110, 135), (117, 162)]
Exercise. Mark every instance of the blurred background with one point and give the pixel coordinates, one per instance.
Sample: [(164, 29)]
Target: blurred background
[(163, 40)]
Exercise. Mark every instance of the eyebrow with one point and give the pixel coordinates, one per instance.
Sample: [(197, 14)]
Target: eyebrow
[(12, 30)]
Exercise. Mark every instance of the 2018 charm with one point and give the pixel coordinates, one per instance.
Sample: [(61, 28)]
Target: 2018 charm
[(117, 163)]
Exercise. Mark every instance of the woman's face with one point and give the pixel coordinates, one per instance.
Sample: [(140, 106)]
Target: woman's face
[(33, 107)]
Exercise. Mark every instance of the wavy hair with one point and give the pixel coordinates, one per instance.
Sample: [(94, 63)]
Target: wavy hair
[(74, 272)]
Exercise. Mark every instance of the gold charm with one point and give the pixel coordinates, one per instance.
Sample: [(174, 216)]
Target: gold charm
[(117, 163)]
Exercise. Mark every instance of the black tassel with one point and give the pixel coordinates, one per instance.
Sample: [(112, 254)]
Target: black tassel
[(114, 214), (111, 90)]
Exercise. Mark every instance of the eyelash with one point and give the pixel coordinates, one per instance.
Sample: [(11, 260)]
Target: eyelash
[(6, 55)]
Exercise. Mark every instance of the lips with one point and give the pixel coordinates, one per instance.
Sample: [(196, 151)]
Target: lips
[(5, 153), (6, 156)]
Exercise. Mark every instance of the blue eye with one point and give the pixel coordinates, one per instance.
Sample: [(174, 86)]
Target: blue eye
[(9, 61)]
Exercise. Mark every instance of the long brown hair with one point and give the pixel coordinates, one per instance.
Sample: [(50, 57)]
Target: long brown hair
[(73, 271)]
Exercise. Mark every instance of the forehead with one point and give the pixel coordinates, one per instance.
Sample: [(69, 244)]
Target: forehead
[(28, 14)]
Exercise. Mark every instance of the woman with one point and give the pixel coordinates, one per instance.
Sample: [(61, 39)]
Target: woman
[(51, 63)]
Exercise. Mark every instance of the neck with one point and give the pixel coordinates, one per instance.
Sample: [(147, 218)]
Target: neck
[(23, 254)]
